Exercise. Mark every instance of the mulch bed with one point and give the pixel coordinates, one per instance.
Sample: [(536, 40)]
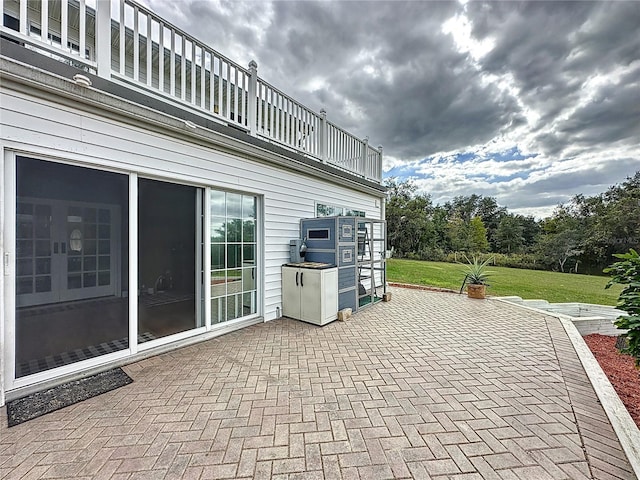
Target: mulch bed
[(620, 370)]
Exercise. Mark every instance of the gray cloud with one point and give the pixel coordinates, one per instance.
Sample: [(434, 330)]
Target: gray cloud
[(386, 70), (612, 116), (552, 50), (561, 187)]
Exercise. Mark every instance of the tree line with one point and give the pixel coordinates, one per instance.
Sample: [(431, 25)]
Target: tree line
[(580, 236)]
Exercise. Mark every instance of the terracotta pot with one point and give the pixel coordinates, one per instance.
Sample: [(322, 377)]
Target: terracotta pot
[(476, 291)]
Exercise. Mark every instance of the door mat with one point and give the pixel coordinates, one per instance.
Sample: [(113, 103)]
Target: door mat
[(47, 401)]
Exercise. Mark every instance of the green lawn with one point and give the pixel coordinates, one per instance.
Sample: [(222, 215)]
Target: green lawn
[(552, 286)]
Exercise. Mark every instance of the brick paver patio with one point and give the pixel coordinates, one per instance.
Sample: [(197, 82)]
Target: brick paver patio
[(430, 385)]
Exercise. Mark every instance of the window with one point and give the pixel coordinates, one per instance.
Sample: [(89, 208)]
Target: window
[(323, 210), (233, 255)]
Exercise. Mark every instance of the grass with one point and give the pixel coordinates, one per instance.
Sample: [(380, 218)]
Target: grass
[(551, 286)]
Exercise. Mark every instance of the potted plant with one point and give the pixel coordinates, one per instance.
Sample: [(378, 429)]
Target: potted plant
[(475, 278)]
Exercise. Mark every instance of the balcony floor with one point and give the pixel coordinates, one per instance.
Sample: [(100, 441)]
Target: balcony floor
[(430, 385)]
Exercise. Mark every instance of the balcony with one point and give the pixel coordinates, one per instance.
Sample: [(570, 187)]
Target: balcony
[(125, 42)]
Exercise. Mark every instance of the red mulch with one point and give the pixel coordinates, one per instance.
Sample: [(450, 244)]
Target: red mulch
[(620, 370)]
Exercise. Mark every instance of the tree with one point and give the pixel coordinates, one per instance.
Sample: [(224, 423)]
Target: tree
[(478, 236), (530, 230), (558, 248), (457, 235), (611, 220), (491, 214), (409, 228), (509, 235), (562, 238)]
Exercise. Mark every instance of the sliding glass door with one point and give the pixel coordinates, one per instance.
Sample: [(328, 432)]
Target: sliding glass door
[(169, 259), (77, 296)]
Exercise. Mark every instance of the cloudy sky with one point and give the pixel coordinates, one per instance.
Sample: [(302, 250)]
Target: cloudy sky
[(529, 102)]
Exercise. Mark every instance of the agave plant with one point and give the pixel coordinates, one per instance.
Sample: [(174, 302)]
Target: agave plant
[(476, 272)]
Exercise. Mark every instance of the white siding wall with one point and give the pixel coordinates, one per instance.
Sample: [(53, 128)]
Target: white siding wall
[(38, 127)]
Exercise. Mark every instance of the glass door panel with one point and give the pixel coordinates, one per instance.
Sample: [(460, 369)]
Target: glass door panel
[(233, 221), (88, 246), (34, 234), (69, 238), (169, 259)]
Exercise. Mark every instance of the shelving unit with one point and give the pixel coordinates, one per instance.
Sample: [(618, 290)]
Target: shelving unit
[(371, 261), (357, 246)]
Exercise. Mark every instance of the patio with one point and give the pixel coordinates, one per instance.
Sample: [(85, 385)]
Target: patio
[(430, 385)]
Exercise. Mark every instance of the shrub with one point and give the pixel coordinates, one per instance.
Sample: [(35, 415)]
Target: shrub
[(627, 272), (513, 260)]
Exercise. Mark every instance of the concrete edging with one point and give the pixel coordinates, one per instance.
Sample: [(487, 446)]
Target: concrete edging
[(626, 430)]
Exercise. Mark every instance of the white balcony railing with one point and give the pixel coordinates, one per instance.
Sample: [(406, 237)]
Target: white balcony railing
[(125, 42)]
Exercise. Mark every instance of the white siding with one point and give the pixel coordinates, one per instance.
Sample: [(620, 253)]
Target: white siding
[(35, 126)]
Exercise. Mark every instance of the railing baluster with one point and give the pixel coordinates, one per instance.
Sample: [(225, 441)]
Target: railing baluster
[(220, 86), (103, 37), (275, 108), (310, 132), (243, 97), (271, 113), (228, 91), (298, 132), (44, 20), (287, 122), (235, 96), (183, 68), (161, 56), (305, 130), (82, 13), (123, 39), (212, 84), (203, 78), (193, 73), (23, 18), (149, 51), (172, 68), (259, 106), (136, 45), (64, 24)]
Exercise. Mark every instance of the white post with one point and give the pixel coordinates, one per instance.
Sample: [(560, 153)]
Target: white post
[(44, 22), (379, 166), (83, 29), (23, 19), (103, 38), (324, 137), (64, 24), (365, 154), (133, 262), (253, 98)]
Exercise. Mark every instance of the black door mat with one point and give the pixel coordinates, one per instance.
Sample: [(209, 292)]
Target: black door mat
[(47, 401)]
